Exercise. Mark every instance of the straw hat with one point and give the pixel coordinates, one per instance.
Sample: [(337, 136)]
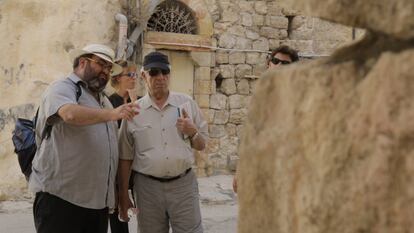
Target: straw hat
[(101, 51)]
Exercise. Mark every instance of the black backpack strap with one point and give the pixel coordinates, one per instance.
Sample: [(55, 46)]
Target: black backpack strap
[(48, 128)]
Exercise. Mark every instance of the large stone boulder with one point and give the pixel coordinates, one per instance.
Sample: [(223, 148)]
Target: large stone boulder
[(329, 144), (390, 17)]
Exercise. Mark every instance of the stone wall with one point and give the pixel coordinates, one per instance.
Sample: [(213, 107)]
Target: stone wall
[(244, 31)]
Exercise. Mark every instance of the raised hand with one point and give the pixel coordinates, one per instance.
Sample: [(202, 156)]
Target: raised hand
[(125, 111)]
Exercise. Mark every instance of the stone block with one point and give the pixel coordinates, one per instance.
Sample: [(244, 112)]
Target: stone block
[(222, 57), (221, 117), (228, 86), (232, 161), (237, 116), (252, 58), (227, 41), (274, 33), (246, 19), (213, 144), (202, 87), (304, 47), (279, 22), (246, 6), (261, 44), (237, 57), (252, 35), (202, 100), (220, 28), (259, 69), (237, 30), (242, 70), (208, 114), (202, 58), (229, 146), (243, 87), (258, 20), (229, 16), (216, 131), (202, 73), (231, 129), (237, 101), (274, 8), (218, 101), (227, 71), (260, 7), (243, 43)]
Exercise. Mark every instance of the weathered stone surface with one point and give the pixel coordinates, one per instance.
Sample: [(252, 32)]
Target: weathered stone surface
[(261, 44), (243, 87), (252, 58), (237, 101), (218, 101), (202, 87), (228, 146), (227, 41), (252, 35), (269, 32), (237, 116), (258, 20), (229, 16), (246, 6), (216, 131), (246, 19), (243, 70), (364, 14), (243, 43), (227, 71), (260, 7), (221, 117), (202, 58), (228, 86), (237, 57), (222, 57), (332, 151), (231, 129), (202, 73), (203, 100), (279, 22), (236, 30)]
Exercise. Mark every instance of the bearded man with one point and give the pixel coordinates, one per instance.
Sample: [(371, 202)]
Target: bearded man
[(75, 165)]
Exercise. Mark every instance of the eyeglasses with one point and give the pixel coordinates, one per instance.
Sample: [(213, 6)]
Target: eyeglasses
[(101, 64), (157, 71), (130, 74), (276, 61)]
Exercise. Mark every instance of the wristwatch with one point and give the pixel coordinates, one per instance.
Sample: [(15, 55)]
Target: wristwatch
[(194, 136)]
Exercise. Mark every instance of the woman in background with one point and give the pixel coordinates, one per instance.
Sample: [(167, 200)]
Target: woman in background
[(124, 85)]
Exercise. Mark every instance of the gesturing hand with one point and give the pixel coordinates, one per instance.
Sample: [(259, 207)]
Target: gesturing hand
[(125, 111), (185, 125)]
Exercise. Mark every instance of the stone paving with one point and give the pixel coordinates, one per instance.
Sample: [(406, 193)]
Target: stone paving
[(218, 206)]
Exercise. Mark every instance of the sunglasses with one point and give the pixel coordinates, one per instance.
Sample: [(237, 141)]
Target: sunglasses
[(130, 74), (276, 61), (157, 71)]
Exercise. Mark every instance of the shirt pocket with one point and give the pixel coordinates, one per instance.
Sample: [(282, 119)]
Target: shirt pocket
[(143, 138)]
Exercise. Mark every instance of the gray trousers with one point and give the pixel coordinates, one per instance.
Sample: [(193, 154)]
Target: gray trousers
[(162, 204)]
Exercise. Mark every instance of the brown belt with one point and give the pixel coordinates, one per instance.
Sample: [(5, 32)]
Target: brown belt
[(167, 179)]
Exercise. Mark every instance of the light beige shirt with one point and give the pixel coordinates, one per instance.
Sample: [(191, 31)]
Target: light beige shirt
[(76, 163), (153, 141)]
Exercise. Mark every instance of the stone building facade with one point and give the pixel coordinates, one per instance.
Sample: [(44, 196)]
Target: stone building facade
[(224, 57)]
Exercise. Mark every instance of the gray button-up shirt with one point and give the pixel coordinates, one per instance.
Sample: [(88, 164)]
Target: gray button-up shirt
[(153, 141), (76, 163)]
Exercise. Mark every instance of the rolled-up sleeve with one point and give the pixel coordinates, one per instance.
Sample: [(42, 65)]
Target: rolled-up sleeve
[(57, 95), (126, 142)]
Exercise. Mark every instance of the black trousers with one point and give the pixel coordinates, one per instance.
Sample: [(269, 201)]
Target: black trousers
[(55, 215), (116, 225)]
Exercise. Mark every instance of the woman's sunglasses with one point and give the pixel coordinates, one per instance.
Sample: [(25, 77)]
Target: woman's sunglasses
[(276, 61), (157, 71), (130, 74)]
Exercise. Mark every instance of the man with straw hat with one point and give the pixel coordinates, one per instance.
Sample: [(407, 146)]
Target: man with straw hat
[(76, 161)]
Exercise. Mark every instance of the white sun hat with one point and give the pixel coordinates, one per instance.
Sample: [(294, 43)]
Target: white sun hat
[(101, 51)]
